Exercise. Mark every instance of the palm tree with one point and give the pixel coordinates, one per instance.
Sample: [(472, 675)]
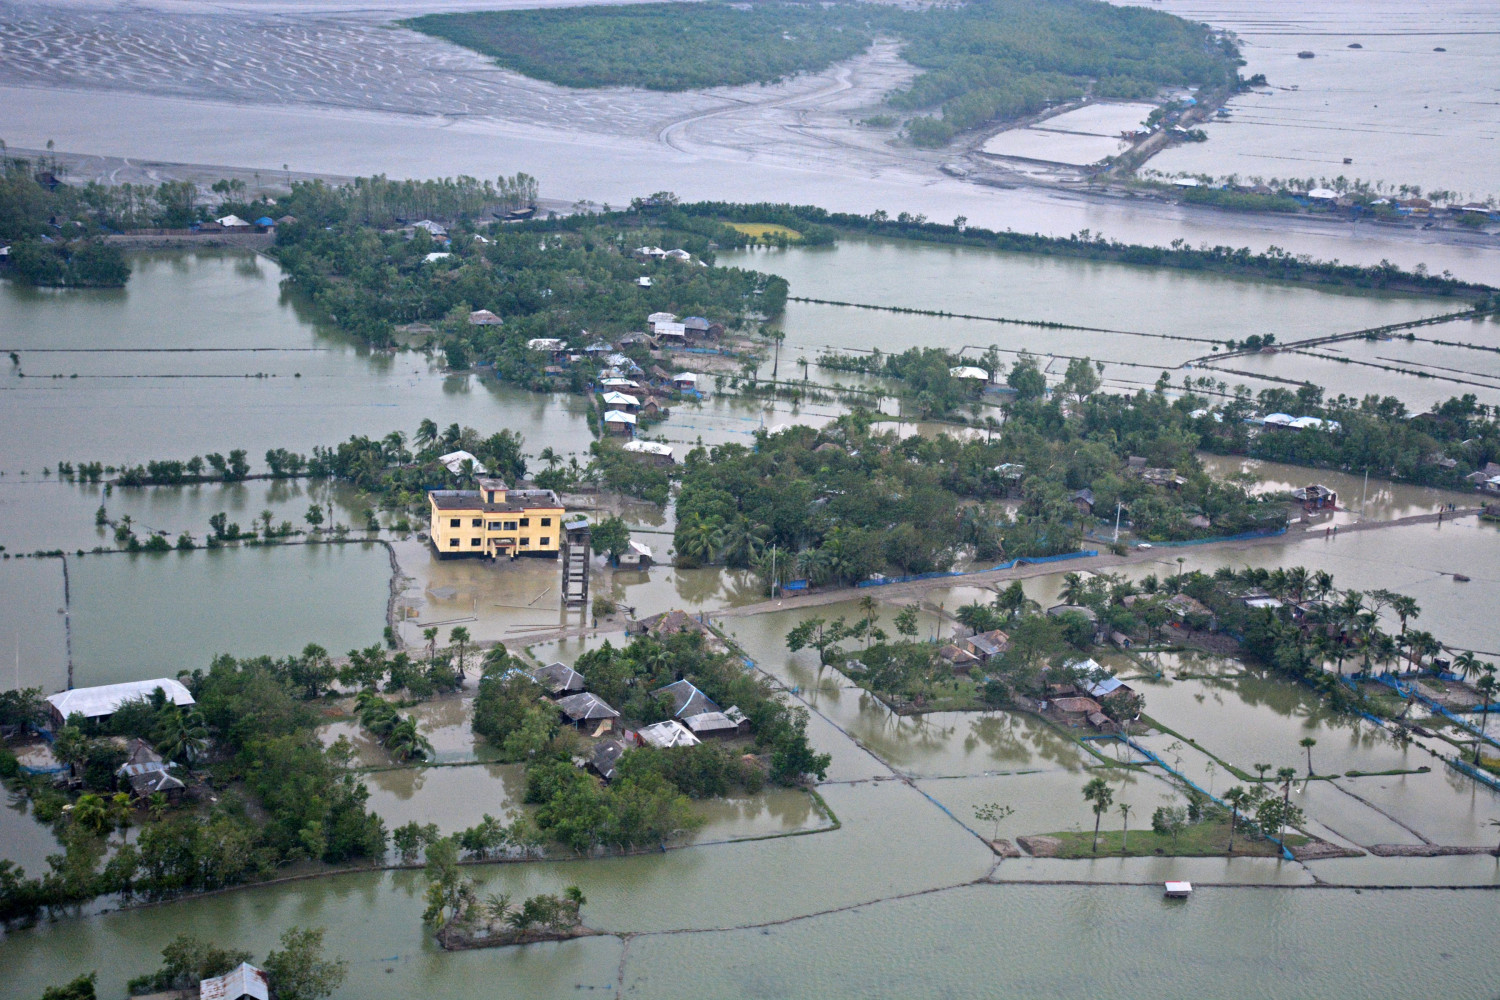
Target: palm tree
[(698, 538), (1098, 792), (91, 813), (156, 805), (1405, 608), (1125, 830), (427, 432), (1466, 664), (120, 809), (1307, 743), (1074, 590), (186, 737), (550, 458), (1238, 800), (1296, 581), (406, 743), (431, 634), (460, 638), (1486, 687), (1322, 583)]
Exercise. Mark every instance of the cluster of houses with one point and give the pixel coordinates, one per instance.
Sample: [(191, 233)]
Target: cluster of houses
[(233, 223), (677, 255), (1487, 479), (695, 717), (144, 773)]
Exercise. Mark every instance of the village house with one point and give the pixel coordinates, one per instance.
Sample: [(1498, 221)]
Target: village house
[(651, 452), (97, 704), (687, 700), (1316, 497), (1184, 607), (621, 401), (670, 334), (685, 381), (636, 556), (985, 646), (244, 982), (619, 422), (495, 520), (463, 463), (483, 317), (665, 735), (657, 318), (1083, 500), (582, 708), (695, 327), (670, 623), (961, 660), (644, 281), (605, 755), (719, 725), (558, 679)]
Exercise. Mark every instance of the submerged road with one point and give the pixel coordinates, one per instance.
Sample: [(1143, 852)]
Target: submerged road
[(1104, 561)]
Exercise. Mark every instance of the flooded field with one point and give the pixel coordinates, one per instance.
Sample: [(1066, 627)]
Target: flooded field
[(140, 616), (903, 898), (1413, 103), (1077, 138)]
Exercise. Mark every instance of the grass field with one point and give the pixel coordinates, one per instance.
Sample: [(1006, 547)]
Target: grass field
[(1199, 840), (762, 230)]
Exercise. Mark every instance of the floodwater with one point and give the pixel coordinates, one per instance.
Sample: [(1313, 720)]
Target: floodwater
[(881, 906), (140, 616), (1401, 111), (1138, 321)]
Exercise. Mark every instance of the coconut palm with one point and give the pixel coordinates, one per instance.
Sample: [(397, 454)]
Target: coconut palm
[(1486, 687), (550, 458), (1466, 664), (1322, 583), (92, 814), (427, 432), (460, 638), (406, 743), (1100, 796), (1238, 800), (184, 737), (1125, 808), (1074, 590), (1307, 743)]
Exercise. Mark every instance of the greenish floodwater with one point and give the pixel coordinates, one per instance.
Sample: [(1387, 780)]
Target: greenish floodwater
[(877, 908), (138, 616)]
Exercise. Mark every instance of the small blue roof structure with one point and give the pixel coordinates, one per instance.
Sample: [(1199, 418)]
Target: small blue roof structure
[(265, 220)]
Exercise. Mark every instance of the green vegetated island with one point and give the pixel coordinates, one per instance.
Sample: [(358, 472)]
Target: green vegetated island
[(978, 62)]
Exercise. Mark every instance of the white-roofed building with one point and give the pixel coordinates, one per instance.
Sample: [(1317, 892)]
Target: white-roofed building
[(483, 317), (668, 734), (621, 401), (660, 317), (635, 556), (454, 461), (245, 981), (434, 228), (549, 344), (435, 256), (670, 331), (969, 372), (233, 222), (103, 701), (618, 382), (685, 380), (619, 422), (658, 450), (644, 281)]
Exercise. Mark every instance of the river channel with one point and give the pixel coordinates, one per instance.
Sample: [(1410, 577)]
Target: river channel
[(903, 899)]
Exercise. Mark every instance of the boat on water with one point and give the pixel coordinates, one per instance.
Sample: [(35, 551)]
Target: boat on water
[(1178, 890), (1306, 54)]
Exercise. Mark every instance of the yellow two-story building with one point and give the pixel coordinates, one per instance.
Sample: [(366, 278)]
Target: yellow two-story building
[(495, 521)]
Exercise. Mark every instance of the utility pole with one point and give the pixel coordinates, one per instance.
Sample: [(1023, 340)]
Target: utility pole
[(1119, 505)]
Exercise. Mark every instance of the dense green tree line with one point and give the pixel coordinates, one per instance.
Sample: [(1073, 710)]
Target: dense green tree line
[(572, 279), (281, 795), (981, 61)]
